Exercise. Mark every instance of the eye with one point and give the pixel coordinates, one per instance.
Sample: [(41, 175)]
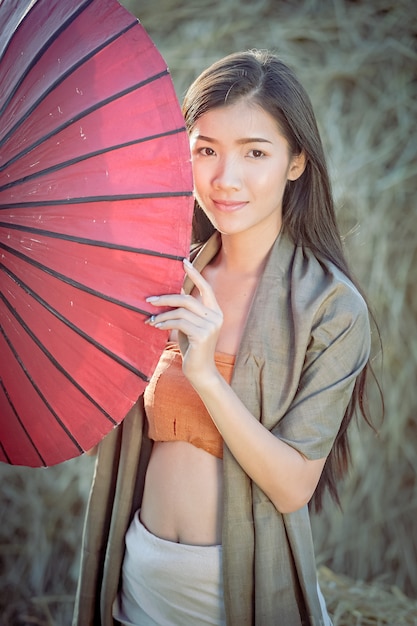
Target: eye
[(206, 151), (256, 154)]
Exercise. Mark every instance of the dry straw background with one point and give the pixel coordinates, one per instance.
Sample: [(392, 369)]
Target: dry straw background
[(358, 61)]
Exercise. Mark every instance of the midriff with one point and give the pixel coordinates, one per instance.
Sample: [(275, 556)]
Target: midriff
[(182, 500)]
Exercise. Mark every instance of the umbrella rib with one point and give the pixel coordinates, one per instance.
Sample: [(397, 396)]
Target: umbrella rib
[(48, 43), (89, 199), (5, 44), (90, 242), (75, 328), (19, 420), (73, 283), (5, 454), (58, 366), (84, 157)]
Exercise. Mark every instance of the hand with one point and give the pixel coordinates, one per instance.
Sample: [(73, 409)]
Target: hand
[(198, 322)]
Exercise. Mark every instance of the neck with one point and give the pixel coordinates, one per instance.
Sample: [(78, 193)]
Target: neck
[(244, 254)]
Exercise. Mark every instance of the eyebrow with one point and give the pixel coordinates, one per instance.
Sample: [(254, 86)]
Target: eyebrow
[(242, 141)]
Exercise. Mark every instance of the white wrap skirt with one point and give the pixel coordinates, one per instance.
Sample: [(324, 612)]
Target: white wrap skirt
[(168, 584)]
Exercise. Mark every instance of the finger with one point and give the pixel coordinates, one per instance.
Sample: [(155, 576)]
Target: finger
[(206, 292), (195, 332), (208, 317), (177, 301)]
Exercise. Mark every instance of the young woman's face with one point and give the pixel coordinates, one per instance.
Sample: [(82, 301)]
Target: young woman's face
[(241, 163)]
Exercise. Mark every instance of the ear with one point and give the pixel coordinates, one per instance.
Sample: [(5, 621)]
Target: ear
[(297, 166)]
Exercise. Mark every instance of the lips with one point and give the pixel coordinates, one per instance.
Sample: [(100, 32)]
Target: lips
[(228, 206)]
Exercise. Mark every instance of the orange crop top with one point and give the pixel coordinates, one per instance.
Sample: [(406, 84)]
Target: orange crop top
[(173, 408)]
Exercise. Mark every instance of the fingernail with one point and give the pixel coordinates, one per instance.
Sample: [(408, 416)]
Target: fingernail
[(152, 299)]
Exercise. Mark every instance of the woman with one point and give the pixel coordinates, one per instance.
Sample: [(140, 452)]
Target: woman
[(246, 414)]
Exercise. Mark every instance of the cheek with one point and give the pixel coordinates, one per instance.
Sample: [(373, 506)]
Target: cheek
[(271, 180), (198, 188), (199, 177), (262, 182)]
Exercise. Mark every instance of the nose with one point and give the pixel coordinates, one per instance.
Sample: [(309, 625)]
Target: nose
[(227, 174)]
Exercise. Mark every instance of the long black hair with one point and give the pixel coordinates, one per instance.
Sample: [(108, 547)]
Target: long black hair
[(308, 214)]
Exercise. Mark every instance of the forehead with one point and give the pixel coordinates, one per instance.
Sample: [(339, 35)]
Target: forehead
[(240, 119)]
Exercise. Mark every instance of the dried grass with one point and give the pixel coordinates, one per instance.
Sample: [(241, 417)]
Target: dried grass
[(358, 61), (41, 517), (360, 604)]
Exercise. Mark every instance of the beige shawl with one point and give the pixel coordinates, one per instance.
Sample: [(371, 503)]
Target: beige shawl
[(307, 338)]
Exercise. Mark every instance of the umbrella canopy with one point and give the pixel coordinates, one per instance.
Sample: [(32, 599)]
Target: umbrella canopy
[(95, 215)]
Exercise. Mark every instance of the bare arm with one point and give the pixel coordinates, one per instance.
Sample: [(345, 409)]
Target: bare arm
[(284, 474)]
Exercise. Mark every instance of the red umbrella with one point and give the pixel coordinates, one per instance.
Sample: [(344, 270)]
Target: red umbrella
[(95, 215)]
